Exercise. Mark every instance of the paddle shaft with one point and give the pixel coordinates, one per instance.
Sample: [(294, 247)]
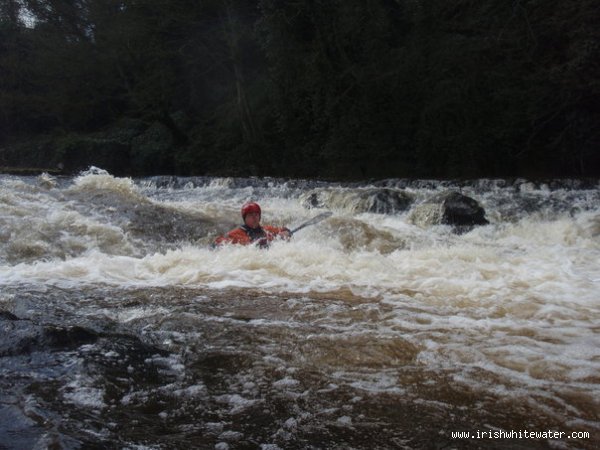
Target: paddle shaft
[(312, 221)]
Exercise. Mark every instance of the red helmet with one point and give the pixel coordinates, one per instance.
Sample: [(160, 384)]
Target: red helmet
[(250, 207)]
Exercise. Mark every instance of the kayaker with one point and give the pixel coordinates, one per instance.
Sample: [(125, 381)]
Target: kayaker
[(252, 231)]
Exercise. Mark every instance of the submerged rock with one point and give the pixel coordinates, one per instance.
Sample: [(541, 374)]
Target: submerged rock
[(373, 200), (449, 208), (123, 204), (18, 337)]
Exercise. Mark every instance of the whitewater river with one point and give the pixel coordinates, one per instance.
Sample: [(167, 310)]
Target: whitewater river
[(121, 328)]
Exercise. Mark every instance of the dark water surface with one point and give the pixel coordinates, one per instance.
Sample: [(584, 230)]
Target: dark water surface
[(191, 368)]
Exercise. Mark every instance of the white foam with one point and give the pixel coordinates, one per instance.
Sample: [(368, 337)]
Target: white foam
[(236, 402), (345, 421), (81, 393), (286, 382)]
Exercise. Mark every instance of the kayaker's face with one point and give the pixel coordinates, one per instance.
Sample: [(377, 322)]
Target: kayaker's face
[(252, 219)]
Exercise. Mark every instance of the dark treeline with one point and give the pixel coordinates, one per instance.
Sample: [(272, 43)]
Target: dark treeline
[(311, 88)]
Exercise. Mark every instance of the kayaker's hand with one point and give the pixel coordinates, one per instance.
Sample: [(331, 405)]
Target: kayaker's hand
[(286, 234)]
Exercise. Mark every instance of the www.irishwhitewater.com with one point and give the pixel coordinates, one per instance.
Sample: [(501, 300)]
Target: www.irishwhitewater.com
[(521, 434)]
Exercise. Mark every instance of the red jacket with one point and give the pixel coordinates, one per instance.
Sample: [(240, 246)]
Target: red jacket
[(244, 235)]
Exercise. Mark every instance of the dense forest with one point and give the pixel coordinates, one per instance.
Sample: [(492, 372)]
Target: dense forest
[(339, 89)]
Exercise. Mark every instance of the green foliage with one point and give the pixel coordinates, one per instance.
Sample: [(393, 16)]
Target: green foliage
[(150, 151), (316, 88)]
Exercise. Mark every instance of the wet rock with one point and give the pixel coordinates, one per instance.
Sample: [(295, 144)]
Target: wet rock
[(386, 201), (372, 200), (19, 337), (449, 208), (24, 431), (312, 200), (67, 337), (5, 315), (462, 210)]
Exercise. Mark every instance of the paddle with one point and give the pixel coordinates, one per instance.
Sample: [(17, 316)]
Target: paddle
[(312, 221)]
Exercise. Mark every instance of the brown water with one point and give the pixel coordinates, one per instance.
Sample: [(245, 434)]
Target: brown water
[(120, 328), (192, 368)]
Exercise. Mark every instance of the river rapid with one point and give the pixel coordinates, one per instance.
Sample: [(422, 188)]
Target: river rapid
[(120, 326)]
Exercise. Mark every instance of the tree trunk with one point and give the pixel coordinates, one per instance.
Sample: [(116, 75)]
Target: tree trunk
[(249, 132)]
